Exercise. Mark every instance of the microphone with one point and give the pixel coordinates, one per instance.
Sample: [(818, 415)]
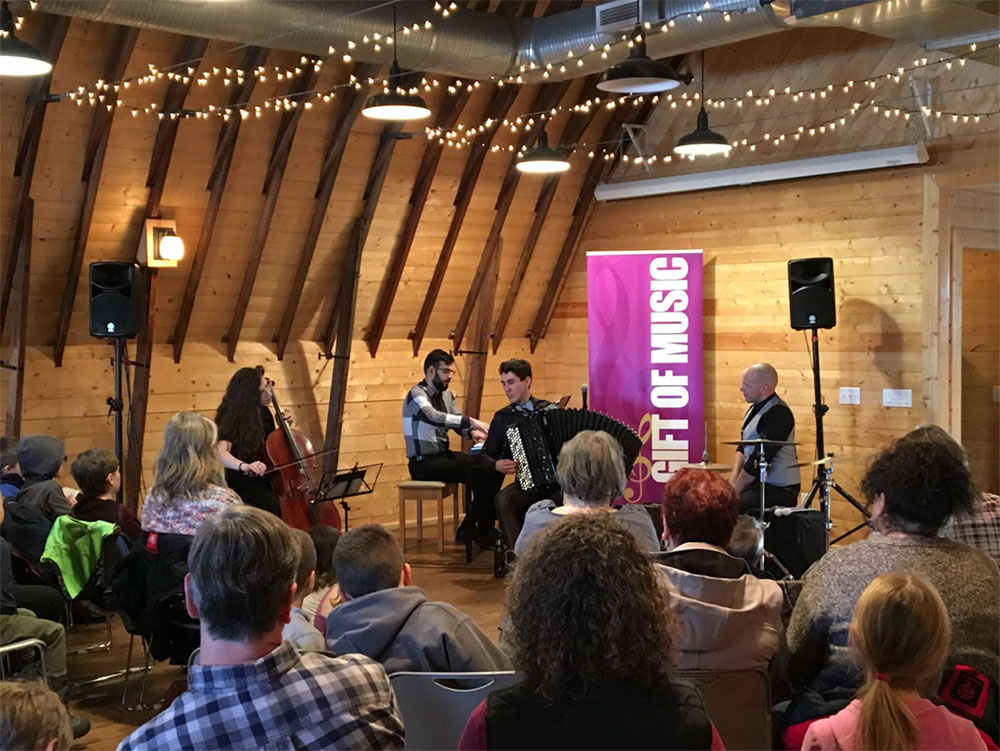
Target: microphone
[(583, 390)]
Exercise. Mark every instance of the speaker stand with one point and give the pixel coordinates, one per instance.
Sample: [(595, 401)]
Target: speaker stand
[(823, 483), (116, 406)]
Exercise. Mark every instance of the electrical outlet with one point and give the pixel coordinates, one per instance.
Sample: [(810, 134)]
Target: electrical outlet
[(897, 398), (850, 395)]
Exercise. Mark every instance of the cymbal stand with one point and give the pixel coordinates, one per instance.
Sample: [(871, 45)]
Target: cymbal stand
[(762, 472), (823, 482)]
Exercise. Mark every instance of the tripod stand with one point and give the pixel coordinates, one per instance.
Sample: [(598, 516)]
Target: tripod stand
[(824, 481)]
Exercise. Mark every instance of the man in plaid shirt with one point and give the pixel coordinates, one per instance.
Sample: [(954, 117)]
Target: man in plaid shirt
[(429, 412), (247, 688)]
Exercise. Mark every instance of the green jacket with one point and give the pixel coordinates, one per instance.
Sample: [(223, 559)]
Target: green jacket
[(74, 546)]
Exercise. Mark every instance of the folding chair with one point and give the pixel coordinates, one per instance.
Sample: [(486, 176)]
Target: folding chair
[(738, 703)]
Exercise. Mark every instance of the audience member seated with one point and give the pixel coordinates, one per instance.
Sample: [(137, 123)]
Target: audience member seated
[(900, 633), (10, 480), (591, 473), (592, 635), (914, 487), (246, 687), (32, 717), (326, 594), (185, 488), (385, 618), (299, 630), (99, 477), (731, 619), (40, 500)]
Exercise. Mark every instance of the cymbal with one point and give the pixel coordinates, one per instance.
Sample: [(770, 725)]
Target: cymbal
[(824, 460), (708, 466), (761, 442)]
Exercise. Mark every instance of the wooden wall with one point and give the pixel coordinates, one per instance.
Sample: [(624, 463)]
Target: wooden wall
[(872, 224)]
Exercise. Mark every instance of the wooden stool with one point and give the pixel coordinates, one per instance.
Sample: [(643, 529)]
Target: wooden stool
[(420, 491)]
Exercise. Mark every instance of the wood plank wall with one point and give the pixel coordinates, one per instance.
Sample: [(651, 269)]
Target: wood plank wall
[(981, 364), (870, 223)]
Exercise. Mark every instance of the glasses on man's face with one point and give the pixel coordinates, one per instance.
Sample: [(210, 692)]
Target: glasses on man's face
[(446, 371)]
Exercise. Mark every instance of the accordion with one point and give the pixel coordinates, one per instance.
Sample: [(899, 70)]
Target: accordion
[(535, 442)]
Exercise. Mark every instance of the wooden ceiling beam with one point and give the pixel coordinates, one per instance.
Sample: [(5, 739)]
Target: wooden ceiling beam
[(599, 168), (352, 101), (496, 110), (272, 186), (574, 130), (548, 97), (13, 373), (340, 326), (53, 33), (191, 51), (447, 117), (122, 43), (226, 144)]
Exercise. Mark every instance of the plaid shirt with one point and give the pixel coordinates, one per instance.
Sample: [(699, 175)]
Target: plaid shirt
[(284, 700), (981, 530), (428, 414)]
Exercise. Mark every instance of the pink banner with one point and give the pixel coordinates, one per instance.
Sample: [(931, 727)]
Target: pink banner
[(645, 317)]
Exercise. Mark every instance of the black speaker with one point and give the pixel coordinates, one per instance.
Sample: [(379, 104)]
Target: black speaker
[(810, 293), (796, 537), (113, 299)]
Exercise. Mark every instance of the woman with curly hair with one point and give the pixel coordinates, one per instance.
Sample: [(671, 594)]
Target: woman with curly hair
[(245, 420), (592, 634), (913, 487), (186, 487)]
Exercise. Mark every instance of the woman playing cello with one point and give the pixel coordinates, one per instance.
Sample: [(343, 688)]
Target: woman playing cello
[(245, 421)]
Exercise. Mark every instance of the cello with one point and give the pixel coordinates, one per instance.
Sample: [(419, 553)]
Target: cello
[(295, 477)]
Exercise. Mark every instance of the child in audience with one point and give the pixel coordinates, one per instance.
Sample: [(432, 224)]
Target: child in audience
[(99, 477), (325, 595), (299, 631), (11, 480), (40, 500), (32, 717), (900, 632)]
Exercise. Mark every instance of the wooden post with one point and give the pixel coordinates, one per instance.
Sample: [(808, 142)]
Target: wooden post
[(13, 372), (138, 404)]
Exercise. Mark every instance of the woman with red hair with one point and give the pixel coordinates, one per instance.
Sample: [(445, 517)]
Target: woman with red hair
[(732, 619)]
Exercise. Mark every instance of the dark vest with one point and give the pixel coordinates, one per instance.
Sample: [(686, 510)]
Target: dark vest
[(613, 714)]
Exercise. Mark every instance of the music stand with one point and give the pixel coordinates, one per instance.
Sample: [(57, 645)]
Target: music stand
[(341, 484)]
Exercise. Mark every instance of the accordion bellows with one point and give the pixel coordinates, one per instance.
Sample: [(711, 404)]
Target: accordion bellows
[(535, 442)]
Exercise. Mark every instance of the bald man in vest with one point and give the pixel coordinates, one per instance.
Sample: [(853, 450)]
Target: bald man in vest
[(768, 417)]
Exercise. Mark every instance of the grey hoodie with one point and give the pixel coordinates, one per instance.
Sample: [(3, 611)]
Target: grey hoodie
[(402, 630)]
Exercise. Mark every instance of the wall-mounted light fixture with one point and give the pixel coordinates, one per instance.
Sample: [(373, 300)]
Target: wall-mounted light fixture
[(160, 245)]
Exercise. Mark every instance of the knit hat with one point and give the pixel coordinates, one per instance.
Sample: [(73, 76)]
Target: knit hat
[(40, 455)]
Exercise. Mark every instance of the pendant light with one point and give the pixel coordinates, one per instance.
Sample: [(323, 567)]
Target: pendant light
[(18, 58), (638, 74), (702, 141), (393, 104), (542, 160)]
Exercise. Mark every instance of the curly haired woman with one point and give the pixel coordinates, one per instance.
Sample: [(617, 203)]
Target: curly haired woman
[(592, 634)]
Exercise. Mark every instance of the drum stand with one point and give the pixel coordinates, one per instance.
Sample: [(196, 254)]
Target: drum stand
[(766, 554)]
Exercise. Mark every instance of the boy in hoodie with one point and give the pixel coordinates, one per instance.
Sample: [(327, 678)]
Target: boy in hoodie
[(98, 475), (11, 480), (40, 500), (299, 629), (384, 618)]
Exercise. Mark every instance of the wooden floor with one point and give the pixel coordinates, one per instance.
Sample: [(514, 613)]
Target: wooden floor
[(469, 587)]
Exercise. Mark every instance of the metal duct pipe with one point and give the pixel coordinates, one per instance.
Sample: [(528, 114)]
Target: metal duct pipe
[(470, 44)]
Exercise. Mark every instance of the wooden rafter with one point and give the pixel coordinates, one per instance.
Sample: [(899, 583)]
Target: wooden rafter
[(496, 110), (53, 33), (340, 325), (253, 57), (480, 337), (93, 164), (13, 374), (353, 99), (272, 185), (192, 49), (581, 213), (572, 133), (446, 119), (548, 96)]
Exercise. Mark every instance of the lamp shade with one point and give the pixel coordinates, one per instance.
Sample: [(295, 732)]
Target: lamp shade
[(542, 160), (171, 246), (702, 141), (638, 74), (394, 105), (19, 58)]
